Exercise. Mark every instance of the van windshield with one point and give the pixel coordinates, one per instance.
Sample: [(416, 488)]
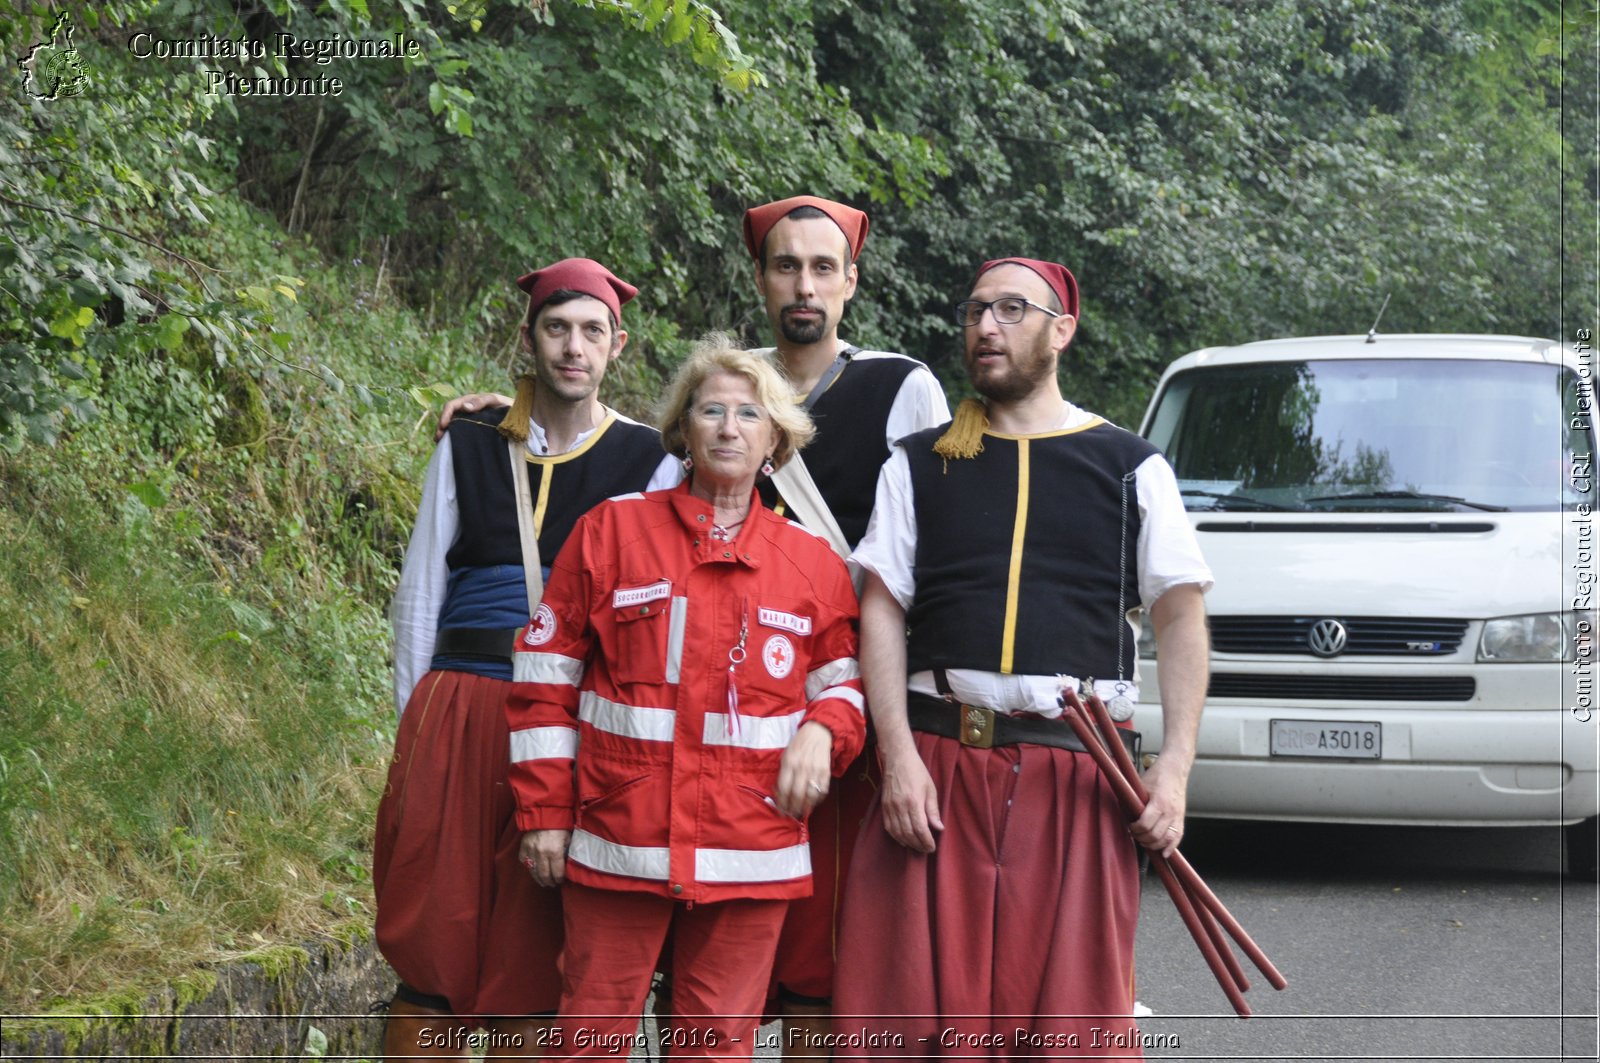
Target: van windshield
[(1376, 435)]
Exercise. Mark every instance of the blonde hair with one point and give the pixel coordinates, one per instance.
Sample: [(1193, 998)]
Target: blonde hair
[(716, 353)]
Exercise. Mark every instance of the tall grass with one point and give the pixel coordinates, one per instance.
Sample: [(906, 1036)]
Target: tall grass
[(181, 776), (195, 715)]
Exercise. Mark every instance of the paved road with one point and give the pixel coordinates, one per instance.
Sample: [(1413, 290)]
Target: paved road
[(1398, 943)]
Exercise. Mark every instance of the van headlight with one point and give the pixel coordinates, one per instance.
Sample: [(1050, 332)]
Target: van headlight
[(1534, 637)]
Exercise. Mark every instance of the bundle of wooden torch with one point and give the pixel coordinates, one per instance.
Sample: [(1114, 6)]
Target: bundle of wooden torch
[(1200, 909)]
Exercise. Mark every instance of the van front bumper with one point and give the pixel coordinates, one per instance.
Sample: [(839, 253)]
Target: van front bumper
[(1444, 766)]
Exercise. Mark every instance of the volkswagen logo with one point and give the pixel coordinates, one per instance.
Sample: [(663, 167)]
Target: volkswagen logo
[(1327, 638)]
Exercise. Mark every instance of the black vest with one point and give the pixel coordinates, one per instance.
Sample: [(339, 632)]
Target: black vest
[(620, 457), (1024, 551), (852, 418)]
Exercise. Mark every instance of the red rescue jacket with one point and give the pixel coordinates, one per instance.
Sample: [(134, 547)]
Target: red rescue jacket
[(624, 670)]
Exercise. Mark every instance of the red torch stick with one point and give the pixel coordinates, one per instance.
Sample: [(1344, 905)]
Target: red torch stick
[(1175, 890), (1186, 873), (1108, 730)]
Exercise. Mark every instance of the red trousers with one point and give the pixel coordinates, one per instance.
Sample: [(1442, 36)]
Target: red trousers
[(1014, 938), (809, 945), (458, 916), (721, 959)]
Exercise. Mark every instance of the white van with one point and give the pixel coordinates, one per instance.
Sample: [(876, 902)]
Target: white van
[(1401, 532)]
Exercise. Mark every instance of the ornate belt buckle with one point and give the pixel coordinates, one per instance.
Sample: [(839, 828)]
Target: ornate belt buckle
[(977, 727)]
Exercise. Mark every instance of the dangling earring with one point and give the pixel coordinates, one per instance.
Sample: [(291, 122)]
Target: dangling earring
[(687, 461), (766, 467)]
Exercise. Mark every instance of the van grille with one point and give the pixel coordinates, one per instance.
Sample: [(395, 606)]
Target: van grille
[(1343, 687), (1374, 635)]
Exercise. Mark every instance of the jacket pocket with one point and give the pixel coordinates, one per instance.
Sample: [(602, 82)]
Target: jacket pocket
[(607, 806), (597, 805), (754, 814), (641, 627)]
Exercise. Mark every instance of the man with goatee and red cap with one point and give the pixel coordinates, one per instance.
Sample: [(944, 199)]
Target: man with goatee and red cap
[(993, 896), (472, 937), (805, 251)]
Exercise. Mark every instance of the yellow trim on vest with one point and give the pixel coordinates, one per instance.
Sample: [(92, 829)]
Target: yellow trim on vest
[(1008, 642), (542, 503), (578, 451), (1093, 422)]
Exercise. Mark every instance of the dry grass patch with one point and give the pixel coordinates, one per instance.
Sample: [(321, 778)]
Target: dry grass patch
[(182, 779)]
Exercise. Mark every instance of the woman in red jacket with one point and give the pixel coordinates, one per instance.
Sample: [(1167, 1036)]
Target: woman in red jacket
[(694, 658)]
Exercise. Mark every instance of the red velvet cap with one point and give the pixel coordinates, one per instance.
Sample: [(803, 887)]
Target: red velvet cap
[(1060, 279), (578, 275), (758, 221)]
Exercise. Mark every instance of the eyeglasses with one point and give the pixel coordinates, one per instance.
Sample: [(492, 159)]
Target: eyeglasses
[(1007, 311), (716, 413)]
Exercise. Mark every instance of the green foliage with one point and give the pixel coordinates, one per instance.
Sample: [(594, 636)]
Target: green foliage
[(98, 195), (574, 121), (193, 662), (711, 42), (1213, 173), (194, 705), (173, 751)]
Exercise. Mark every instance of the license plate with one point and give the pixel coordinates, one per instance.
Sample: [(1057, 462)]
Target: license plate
[(1326, 738)]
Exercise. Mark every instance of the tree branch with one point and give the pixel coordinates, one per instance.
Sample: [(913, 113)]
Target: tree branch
[(194, 267)]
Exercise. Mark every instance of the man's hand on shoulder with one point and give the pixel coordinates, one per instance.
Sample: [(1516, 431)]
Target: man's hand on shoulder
[(478, 400)]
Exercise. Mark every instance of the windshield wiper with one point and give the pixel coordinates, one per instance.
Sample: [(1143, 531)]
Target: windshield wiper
[(1243, 500), (1358, 496)]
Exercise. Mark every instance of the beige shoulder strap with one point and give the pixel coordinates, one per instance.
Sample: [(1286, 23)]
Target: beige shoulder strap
[(530, 540), (799, 490)]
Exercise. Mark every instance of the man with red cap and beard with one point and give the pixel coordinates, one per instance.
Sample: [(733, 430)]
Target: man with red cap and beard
[(992, 901), (472, 937), (805, 252)]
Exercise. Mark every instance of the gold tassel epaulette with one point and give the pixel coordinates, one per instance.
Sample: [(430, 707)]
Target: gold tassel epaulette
[(515, 425), (964, 437)]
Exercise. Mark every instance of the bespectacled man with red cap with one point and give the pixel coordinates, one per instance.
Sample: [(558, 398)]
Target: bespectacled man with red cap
[(993, 896), (472, 937)]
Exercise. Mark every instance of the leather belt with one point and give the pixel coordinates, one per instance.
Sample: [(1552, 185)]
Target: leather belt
[(973, 725), (485, 643)]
